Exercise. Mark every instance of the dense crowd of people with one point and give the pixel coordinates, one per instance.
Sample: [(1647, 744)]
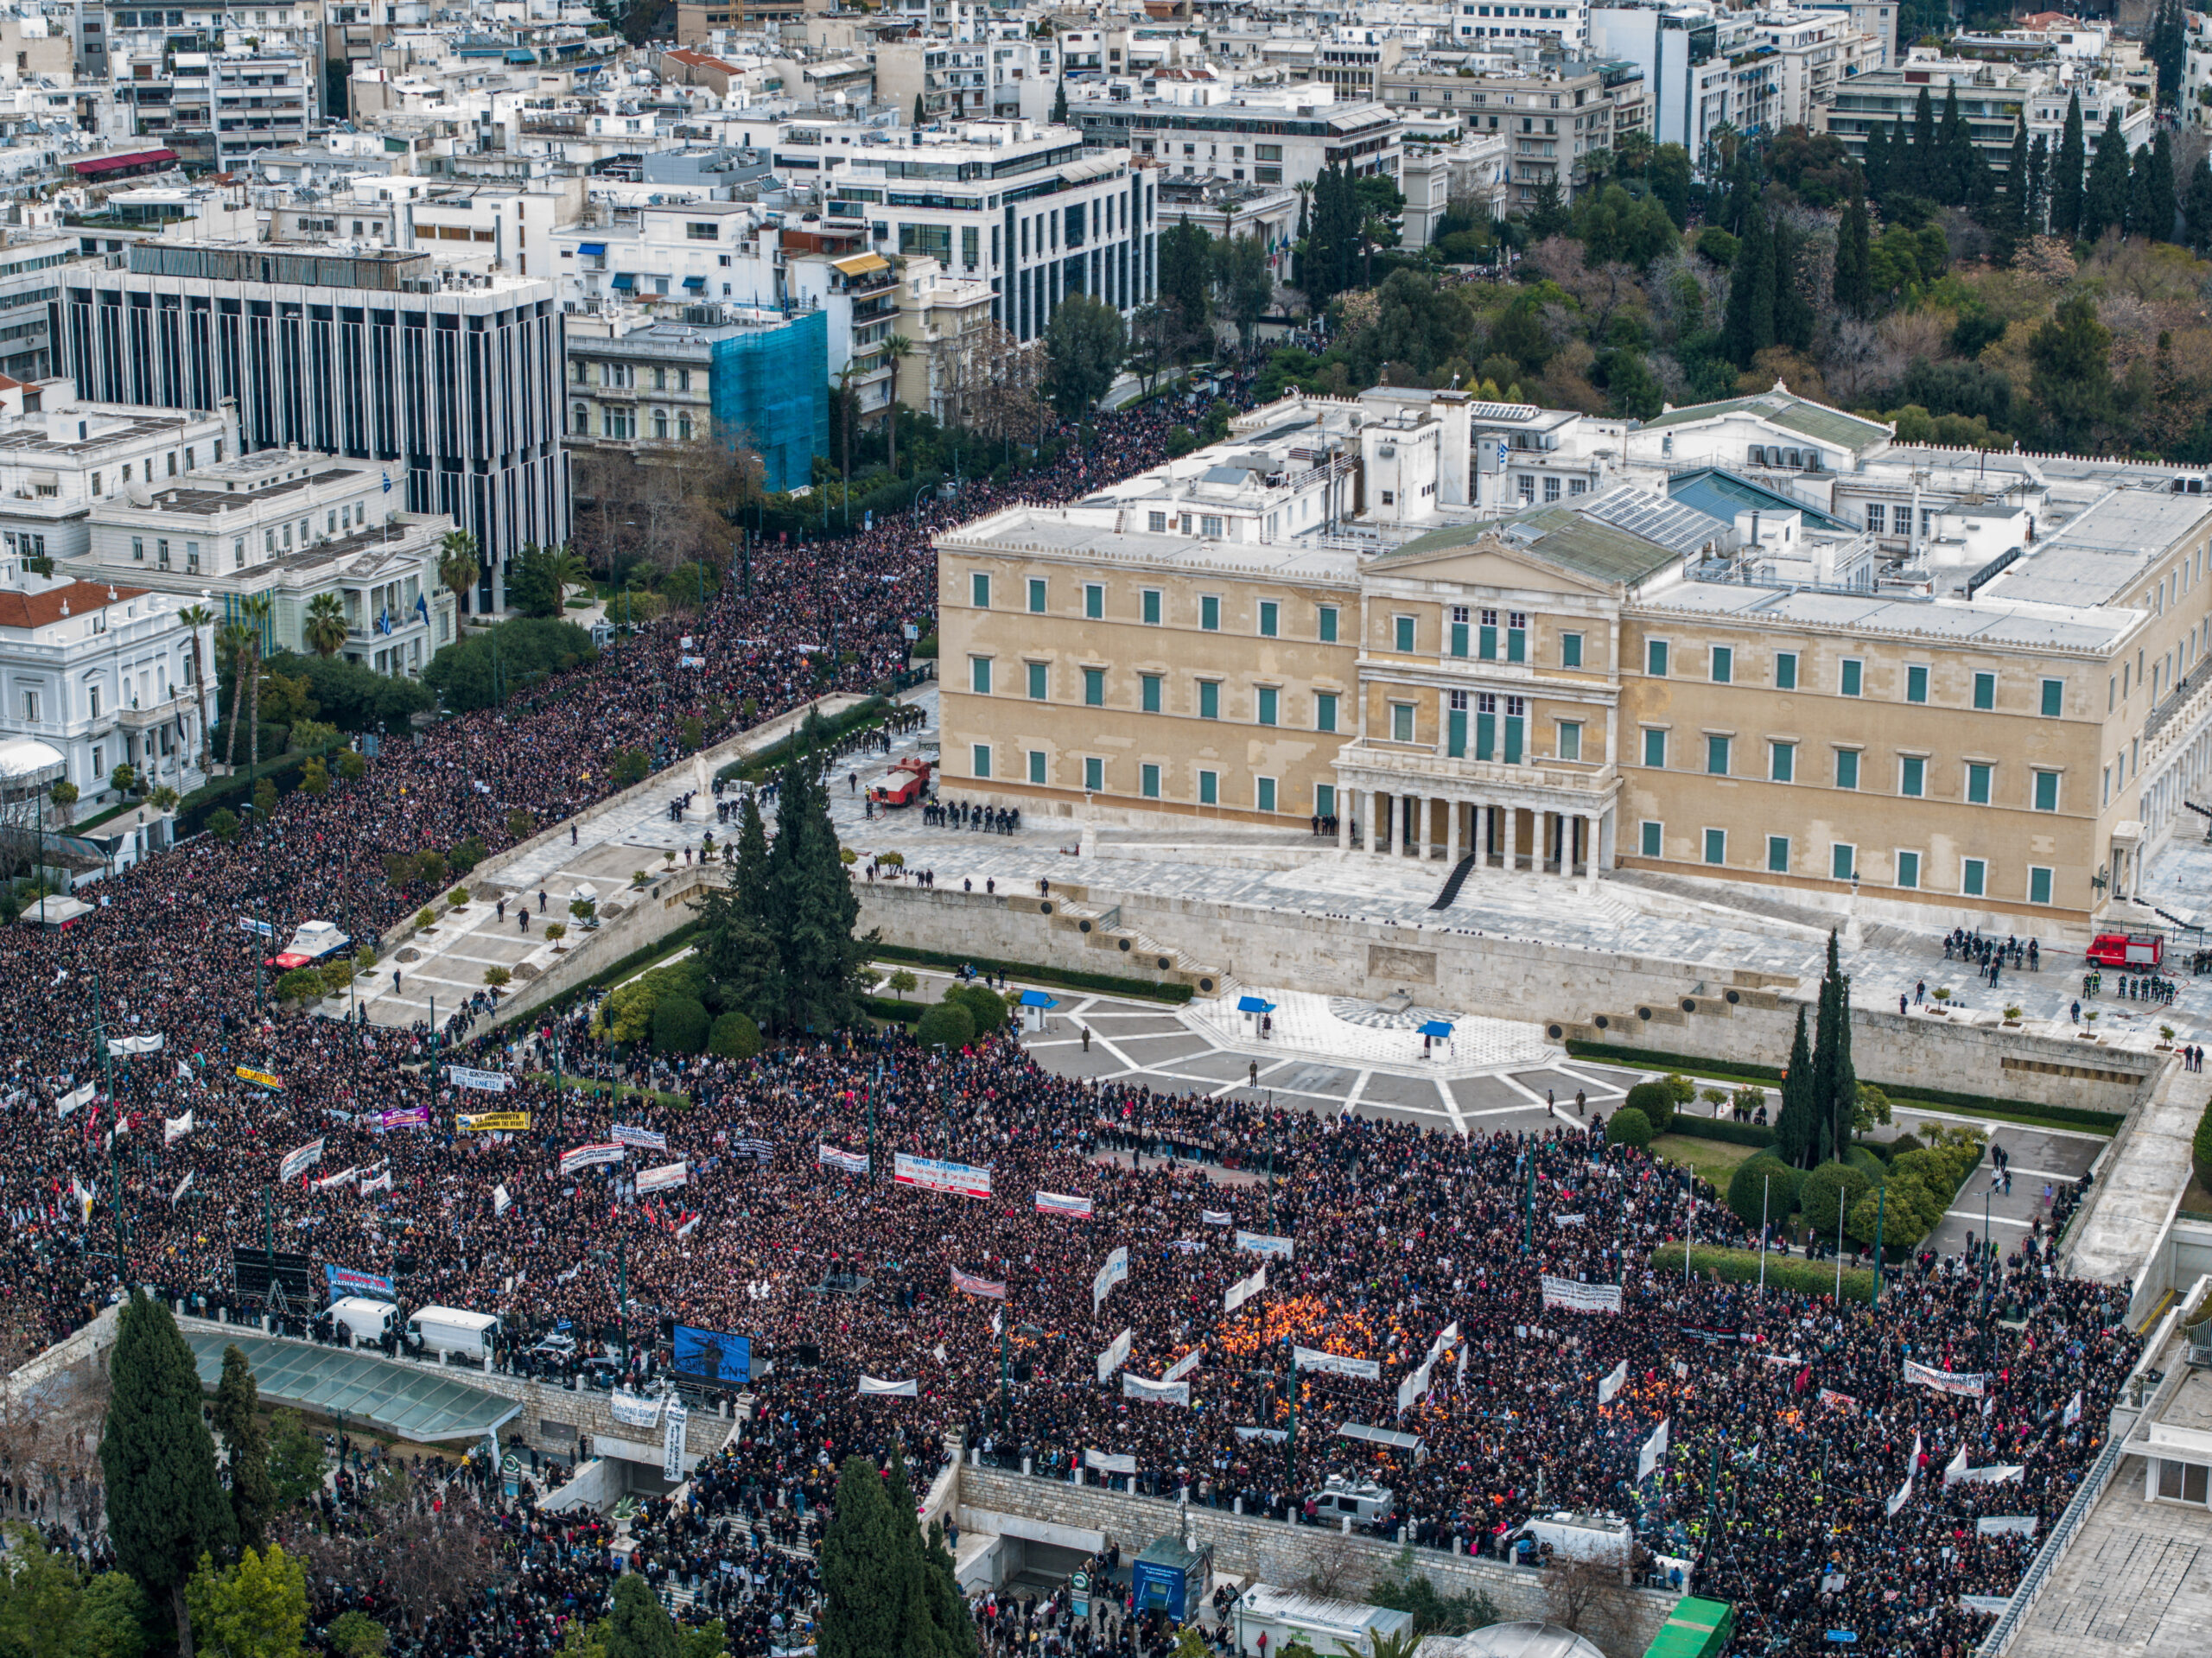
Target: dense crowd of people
[(1790, 1423)]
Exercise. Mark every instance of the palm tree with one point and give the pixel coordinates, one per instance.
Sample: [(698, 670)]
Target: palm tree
[(458, 568), (846, 409), (569, 571), (197, 617), (238, 639), (255, 608), (326, 630), (897, 348)]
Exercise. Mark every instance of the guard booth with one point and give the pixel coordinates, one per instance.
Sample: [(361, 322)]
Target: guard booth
[(1172, 1578)]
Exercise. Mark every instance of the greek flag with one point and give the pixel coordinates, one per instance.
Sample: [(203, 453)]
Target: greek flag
[(387, 483)]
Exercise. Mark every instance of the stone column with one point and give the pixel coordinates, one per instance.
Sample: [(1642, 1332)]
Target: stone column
[(1369, 795), (1344, 821), (1451, 833), (1418, 805), (1512, 823), (1390, 820)]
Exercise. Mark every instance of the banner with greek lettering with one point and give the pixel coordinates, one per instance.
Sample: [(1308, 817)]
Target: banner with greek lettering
[(1612, 1383), (835, 1158), (1116, 1269), (969, 1284), (875, 1387), (1054, 1203), (1996, 1525), (1262, 1243), (1115, 1356), (1160, 1393), (645, 1139), (671, 1441), (1994, 1604), (344, 1280), (1111, 1462), (1244, 1289), (1216, 1217), (1568, 1220), (1313, 1358), (2073, 1412), (1830, 1397), (930, 1174), (414, 1116), (667, 1175), (631, 1409), (1950, 1382), (136, 1043), (76, 1098), (260, 1078), (585, 1157), (298, 1162), (484, 1082), (343, 1178), (176, 1128), (1997, 1473), (492, 1122), (1184, 1366), (1581, 1297), (1271, 1435), (380, 1182), (1654, 1452)]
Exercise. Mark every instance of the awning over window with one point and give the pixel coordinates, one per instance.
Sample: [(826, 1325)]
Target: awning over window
[(625, 280), (592, 249), (695, 283)]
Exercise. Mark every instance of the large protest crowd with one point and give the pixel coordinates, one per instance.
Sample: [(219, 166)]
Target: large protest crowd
[(1789, 1423)]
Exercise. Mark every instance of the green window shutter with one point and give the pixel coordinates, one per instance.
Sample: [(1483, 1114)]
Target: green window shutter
[(1984, 692), (1488, 645), (1516, 644), (1916, 689), (1038, 673), (1267, 696), (1654, 750), (1209, 699), (2054, 698), (1486, 736), (1459, 639), (1150, 685), (1456, 735), (1094, 688), (1513, 724)]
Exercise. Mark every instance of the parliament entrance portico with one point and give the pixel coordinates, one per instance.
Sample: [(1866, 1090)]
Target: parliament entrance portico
[(1542, 819)]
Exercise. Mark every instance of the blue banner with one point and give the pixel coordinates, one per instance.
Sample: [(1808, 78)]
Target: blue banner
[(344, 1280)]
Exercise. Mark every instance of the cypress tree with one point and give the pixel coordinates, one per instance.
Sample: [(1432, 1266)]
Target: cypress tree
[(2104, 193), (165, 1506), (1747, 328), (864, 1572), (2198, 212), (1927, 171), (2010, 219), (2142, 205), (2164, 193), (1797, 1127), (245, 1448), (2170, 50), (2066, 172), (1854, 252), (1961, 160), (810, 907), (2037, 204), (1876, 167), (639, 1627), (1060, 102), (1298, 246), (1793, 312), (1835, 1084), (919, 117), (1900, 179)]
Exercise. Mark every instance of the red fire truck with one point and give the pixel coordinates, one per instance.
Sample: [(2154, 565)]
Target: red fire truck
[(2128, 949), (902, 785)]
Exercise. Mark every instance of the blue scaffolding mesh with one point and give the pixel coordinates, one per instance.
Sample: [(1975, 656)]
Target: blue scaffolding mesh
[(771, 391)]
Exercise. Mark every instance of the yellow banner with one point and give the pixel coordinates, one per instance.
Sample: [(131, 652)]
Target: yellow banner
[(266, 1078), (482, 1123)]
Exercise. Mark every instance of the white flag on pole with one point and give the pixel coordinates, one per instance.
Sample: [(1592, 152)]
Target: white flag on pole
[(1610, 1384), (1654, 1452)]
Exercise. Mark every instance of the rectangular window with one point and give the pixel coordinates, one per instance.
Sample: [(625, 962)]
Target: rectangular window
[(2046, 795), (1264, 794), (1148, 688), (1458, 630), (1846, 768), (1327, 617), (1716, 757), (1912, 776), (1093, 602), (979, 676), (1270, 612), (1570, 649), (1716, 846), (1916, 685), (1570, 740), (1037, 595), (1209, 613), (1325, 711), (1486, 641), (1209, 699), (1853, 676), (1094, 688), (1094, 775), (2038, 885), (1210, 526), (1038, 675), (2054, 698), (1723, 665), (1781, 762), (1973, 877), (1654, 750), (1649, 837), (1268, 699), (1777, 854), (1325, 799), (1843, 860), (979, 590), (1036, 766), (1909, 869), (1654, 658), (1402, 722), (1209, 788), (1516, 636), (1985, 691), (1157, 523), (1149, 781), (1878, 519), (1978, 784), (982, 759), (1403, 627), (1148, 603), (1785, 670)]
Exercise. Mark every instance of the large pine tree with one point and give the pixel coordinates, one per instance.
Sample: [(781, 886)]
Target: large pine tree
[(1797, 1128), (2104, 193), (2066, 172), (165, 1506), (810, 909), (1855, 282)]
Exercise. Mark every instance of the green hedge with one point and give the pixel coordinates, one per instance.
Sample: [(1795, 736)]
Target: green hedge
[(1143, 989), (1736, 1134), (1900, 1097), (891, 1007), (1742, 1266), (756, 767), (637, 959)]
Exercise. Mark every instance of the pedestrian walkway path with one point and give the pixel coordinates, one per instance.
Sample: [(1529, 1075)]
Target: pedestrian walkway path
[(2137, 1191)]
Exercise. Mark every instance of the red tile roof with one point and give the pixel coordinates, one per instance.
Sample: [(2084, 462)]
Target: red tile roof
[(20, 609)]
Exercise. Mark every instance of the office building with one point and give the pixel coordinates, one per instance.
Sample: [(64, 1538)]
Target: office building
[(1199, 126)]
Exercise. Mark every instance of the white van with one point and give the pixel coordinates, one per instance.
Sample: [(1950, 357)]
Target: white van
[(361, 1320), (1602, 1537), (437, 1331), (1361, 1502)]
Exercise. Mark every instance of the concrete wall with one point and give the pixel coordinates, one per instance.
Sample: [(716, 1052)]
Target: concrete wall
[(1642, 1001), (1245, 1546), (649, 914)]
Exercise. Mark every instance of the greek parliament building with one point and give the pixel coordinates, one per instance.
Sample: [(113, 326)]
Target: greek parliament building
[(374, 354), (1753, 641)]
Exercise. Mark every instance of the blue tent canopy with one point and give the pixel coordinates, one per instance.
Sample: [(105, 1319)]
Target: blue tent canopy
[(1254, 1004), (1037, 999), (1436, 1027)]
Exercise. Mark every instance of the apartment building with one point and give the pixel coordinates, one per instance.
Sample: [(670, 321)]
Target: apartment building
[(1696, 674), (1565, 26), (30, 291), (1262, 135), (1993, 99), (946, 319), (60, 459), (1550, 122)]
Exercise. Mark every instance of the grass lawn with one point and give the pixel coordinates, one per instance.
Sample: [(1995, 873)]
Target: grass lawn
[(1715, 1160)]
